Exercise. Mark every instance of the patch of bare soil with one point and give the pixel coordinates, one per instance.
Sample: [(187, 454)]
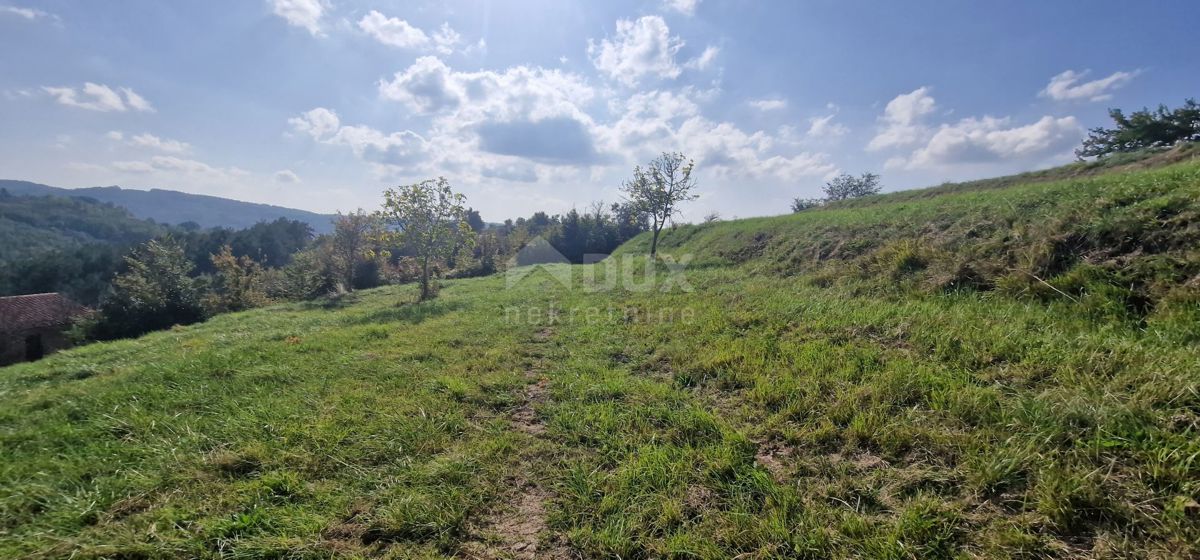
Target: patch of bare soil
[(518, 529), (525, 418), (773, 456)]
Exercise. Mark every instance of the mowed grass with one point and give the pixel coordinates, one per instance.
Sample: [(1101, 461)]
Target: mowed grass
[(765, 408)]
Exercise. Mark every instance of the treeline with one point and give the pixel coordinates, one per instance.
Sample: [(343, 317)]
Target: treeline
[(188, 275), (82, 267), (1143, 129)]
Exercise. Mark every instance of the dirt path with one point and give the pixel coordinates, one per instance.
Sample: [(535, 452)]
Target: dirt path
[(517, 528)]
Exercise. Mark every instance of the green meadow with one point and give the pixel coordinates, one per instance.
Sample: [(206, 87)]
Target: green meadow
[(990, 370)]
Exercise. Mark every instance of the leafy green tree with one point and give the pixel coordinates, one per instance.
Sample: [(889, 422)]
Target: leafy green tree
[(475, 220), (1143, 129), (430, 219), (312, 273), (356, 239), (155, 292), (846, 186), (658, 190), (239, 283)]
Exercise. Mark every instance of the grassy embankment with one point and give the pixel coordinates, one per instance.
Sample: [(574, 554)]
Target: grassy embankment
[(995, 372)]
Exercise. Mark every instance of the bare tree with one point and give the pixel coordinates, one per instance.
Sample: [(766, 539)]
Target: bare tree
[(659, 189)]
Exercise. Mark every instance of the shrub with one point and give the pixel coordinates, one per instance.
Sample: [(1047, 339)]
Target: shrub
[(156, 292)]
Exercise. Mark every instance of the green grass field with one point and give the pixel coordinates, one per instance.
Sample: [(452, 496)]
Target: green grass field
[(1002, 372)]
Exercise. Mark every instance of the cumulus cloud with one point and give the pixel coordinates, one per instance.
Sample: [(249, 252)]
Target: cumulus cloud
[(1067, 87), (286, 176), (305, 14), (993, 140), (685, 7), (901, 123), (529, 112), (426, 86), (99, 97), (969, 141), (318, 123), (399, 33), (403, 149), (661, 120), (527, 124), (642, 47), (553, 140), (391, 31), (769, 104)]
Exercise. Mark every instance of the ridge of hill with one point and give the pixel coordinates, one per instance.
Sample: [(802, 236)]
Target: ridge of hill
[(36, 225), (1120, 245), (174, 207), (936, 377)]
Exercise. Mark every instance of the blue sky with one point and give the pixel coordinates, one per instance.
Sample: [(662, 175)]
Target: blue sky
[(547, 104)]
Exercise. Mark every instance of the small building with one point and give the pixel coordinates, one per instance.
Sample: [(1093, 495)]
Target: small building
[(34, 325)]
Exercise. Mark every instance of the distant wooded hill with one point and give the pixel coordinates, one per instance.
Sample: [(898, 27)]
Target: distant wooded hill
[(173, 207), (35, 225)]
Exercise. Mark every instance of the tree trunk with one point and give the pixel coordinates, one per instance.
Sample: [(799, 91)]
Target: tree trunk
[(654, 243), (425, 278)]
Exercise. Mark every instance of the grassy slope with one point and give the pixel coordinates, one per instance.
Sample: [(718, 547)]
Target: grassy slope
[(778, 410)]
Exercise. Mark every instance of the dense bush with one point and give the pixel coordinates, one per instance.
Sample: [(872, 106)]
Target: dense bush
[(156, 292)]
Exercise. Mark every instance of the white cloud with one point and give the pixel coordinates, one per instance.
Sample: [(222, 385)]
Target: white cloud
[(516, 93), (994, 140), (825, 127), (174, 165), (662, 120), (769, 104), (155, 143), (301, 13), (1066, 86), (970, 141), (685, 7), (286, 176), (533, 124), (705, 59), (318, 123), (391, 31), (643, 47), (136, 102), (116, 135), (446, 38), (901, 123), (478, 49), (399, 33), (488, 119), (99, 97), (27, 13), (399, 149)]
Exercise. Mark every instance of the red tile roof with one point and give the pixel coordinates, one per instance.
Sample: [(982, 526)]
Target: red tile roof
[(34, 311)]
